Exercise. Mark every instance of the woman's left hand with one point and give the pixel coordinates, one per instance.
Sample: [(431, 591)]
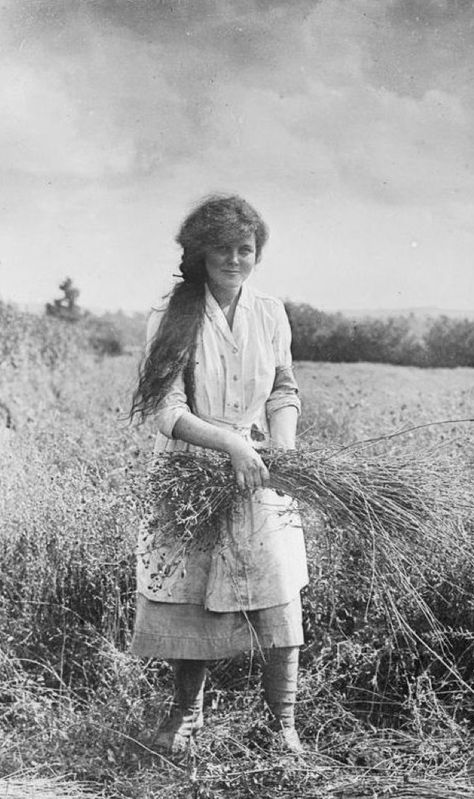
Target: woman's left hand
[(250, 471)]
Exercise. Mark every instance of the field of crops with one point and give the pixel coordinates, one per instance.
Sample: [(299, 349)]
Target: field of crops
[(381, 713)]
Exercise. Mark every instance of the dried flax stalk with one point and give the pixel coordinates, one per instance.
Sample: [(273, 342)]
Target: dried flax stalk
[(401, 514)]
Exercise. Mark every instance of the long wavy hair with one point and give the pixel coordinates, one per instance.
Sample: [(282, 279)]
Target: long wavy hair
[(218, 219)]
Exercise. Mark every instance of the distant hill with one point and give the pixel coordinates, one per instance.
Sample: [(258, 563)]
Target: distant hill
[(428, 312)]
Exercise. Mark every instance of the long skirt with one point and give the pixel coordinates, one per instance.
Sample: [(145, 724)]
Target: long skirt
[(172, 631)]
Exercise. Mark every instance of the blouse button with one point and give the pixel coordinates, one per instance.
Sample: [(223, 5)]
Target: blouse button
[(235, 377), (236, 404), (235, 350)]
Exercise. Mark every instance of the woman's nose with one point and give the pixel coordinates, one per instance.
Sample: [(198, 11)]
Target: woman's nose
[(234, 256)]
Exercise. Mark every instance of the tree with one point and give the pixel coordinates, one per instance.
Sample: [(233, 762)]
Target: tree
[(65, 307)]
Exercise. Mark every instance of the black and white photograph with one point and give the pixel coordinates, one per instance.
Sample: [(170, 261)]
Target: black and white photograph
[(236, 399)]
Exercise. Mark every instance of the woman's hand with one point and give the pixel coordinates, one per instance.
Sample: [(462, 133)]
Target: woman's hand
[(250, 471)]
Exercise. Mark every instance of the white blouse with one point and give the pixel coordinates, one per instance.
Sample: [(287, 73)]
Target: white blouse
[(242, 376)]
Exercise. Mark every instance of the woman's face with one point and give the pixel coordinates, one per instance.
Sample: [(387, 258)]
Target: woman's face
[(229, 265)]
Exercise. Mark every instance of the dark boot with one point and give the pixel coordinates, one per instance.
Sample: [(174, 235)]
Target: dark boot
[(280, 677), (186, 718)]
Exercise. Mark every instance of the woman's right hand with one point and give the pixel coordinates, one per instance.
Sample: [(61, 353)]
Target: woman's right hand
[(250, 471)]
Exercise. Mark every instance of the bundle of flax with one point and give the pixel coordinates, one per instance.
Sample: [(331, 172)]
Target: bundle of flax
[(399, 513)]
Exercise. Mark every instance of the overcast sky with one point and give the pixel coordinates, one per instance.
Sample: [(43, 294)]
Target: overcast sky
[(348, 123)]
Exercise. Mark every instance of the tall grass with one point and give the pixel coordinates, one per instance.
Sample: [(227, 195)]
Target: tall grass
[(376, 709)]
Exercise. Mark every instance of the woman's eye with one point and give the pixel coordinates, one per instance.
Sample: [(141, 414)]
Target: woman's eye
[(245, 251)]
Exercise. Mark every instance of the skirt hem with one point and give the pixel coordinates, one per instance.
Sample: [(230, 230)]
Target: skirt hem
[(167, 631)]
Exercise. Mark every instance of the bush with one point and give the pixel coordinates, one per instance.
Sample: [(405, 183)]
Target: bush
[(28, 340), (398, 340), (450, 342), (103, 336)]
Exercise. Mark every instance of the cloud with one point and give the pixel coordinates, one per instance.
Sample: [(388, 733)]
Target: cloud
[(113, 114), (43, 133), (133, 90)]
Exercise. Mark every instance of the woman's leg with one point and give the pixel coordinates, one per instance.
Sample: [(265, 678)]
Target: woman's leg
[(280, 678), (185, 719)]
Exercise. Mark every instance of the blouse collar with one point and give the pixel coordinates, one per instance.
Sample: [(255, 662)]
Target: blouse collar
[(245, 300)]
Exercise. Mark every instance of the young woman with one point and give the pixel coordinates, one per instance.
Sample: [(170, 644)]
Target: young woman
[(218, 374)]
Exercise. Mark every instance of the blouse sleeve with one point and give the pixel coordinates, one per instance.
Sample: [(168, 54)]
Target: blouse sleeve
[(285, 389), (174, 404)]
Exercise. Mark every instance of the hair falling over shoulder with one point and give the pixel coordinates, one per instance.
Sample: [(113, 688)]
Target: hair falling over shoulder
[(172, 349), (217, 219)]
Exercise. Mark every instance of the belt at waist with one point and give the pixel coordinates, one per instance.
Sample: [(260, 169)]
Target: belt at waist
[(242, 429)]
